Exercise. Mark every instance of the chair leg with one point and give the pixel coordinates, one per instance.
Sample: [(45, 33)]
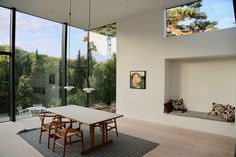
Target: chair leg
[(49, 133), (54, 142), (82, 140), (100, 126), (64, 146), (116, 127), (30, 114), (40, 136)]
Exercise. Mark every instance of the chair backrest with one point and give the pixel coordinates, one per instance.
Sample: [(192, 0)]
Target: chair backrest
[(58, 122), (19, 108), (43, 115)]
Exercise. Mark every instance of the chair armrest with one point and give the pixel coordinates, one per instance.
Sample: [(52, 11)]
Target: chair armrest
[(25, 110)]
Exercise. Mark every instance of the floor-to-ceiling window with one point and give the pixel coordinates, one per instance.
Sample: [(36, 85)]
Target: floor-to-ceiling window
[(76, 65), (4, 64), (94, 69), (103, 67), (38, 66), (38, 61)]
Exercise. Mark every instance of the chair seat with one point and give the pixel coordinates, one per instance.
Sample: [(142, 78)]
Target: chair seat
[(70, 132)]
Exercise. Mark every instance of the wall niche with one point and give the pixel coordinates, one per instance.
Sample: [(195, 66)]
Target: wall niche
[(201, 81)]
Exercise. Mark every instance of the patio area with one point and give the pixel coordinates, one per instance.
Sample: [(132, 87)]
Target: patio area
[(174, 142)]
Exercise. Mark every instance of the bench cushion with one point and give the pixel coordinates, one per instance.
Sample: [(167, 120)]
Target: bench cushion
[(196, 114)]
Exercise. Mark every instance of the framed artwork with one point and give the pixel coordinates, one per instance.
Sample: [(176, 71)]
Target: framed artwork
[(138, 79)]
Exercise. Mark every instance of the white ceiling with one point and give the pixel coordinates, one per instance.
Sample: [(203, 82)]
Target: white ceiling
[(102, 11)]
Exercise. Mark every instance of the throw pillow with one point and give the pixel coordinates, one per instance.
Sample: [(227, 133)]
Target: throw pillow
[(168, 107), (217, 109), (229, 113), (178, 104)]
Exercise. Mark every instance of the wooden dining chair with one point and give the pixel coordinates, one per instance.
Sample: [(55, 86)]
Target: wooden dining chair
[(46, 126), (111, 124), (65, 133)]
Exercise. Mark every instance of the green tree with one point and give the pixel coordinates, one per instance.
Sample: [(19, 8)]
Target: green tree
[(5, 48), (104, 80), (34, 66), (197, 21), (79, 67), (24, 91), (4, 84)]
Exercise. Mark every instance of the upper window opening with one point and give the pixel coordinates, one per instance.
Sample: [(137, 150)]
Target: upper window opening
[(200, 16)]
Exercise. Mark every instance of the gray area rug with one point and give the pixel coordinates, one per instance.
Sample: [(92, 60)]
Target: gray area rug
[(123, 146)]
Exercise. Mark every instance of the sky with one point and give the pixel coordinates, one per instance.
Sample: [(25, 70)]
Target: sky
[(221, 11), (4, 26), (36, 33)]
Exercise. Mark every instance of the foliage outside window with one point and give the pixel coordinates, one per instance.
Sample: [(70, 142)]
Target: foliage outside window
[(4, 88), (200, 16)]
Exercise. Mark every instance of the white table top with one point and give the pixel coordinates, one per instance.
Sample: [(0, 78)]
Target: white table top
[(83, 114), (37, 108)]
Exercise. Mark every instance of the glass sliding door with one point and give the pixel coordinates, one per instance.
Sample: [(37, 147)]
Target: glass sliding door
[(4, 88), (38, 62)]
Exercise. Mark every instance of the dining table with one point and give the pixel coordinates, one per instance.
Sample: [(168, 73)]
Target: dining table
[(90, 117)]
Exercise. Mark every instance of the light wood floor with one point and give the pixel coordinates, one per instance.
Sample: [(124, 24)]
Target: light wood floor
[(174, 142)]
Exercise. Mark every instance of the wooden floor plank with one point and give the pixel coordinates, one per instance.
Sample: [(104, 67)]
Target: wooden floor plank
[(174, 142)]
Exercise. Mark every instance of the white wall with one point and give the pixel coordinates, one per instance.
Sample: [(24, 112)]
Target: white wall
[(141, 46), (203, 81)]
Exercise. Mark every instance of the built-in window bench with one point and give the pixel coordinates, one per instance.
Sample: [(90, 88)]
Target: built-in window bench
[(196, 114)]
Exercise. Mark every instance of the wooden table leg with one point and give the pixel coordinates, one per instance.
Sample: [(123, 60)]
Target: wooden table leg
[(106, 132), (105, 140), (92, 136), (103, 133)]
